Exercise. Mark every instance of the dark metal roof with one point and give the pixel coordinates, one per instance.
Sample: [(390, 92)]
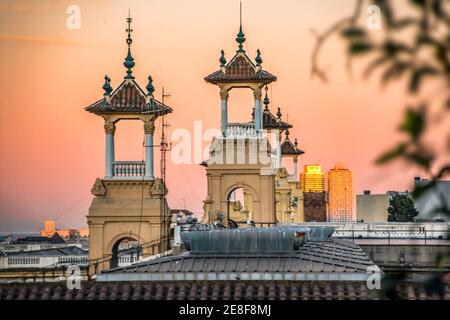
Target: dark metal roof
[(128, 98), (290, 149), (55, 238), (240, 69), (325, 256), (271, 122), (218, 290)]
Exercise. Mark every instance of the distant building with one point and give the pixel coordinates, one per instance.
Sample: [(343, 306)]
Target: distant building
[(340, 195), (372, 207), (50, 229), (46, 258), (313, 179), (315, 209)]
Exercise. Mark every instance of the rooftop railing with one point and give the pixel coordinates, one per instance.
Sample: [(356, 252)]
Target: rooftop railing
[(128, 169)]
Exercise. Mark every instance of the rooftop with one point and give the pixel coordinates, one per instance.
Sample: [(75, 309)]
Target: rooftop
[(219, 290), (253, 254)]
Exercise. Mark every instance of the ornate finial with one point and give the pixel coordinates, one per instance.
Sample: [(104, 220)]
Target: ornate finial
[(287, 134), (279, 114), (258, 58), (150, 87), (129, 60), (266, 101), (222, 59), (240, 36), (295, 143), (107, 86)]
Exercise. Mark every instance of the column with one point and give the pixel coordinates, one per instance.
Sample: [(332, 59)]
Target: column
[(258, 110), (223, 111), (296, 168), (110, 128), (149, 128), (278, 148)]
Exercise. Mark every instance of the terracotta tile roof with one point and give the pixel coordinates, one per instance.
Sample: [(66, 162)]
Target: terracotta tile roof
[(240, 69), (218, 290), (128, 98)]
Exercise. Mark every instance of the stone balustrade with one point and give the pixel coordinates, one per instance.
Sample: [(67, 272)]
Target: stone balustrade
[(128, 169)]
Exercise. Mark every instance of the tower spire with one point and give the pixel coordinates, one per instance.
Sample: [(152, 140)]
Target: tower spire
[(129, 60), (240, 39)]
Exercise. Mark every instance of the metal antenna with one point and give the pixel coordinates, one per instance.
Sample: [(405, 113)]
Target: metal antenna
[(240, 13), (164, 147)]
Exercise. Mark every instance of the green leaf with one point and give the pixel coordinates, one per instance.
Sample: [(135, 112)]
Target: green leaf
[(403, 23), (395, 71), (422, 159), (443, 171), (353, 32), (374, 65), (360, 47), (392, 154), (418, 75), (414, 122), (419, 3), (392, 48)]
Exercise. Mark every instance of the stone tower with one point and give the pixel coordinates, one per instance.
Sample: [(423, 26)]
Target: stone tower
[(130, 202)]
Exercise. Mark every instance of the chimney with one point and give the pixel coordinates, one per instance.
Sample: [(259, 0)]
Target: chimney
[(366, 192)]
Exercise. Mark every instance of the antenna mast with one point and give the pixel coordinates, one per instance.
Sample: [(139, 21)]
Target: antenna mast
[(164, 147)]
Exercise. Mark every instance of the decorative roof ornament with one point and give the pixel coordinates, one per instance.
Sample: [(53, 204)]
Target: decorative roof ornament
[(240, 37), (258, 58), (129, 60), (150, 88), (222, 59), (296, 142), (266, 101), (107, 86), (279, 114), (287, 134)]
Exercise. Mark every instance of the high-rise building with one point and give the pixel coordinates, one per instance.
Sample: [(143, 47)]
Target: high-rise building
[(340, 195), (313, 179)]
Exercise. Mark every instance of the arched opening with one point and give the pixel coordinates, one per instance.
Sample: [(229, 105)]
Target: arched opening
[(240, 205), (124, 251)]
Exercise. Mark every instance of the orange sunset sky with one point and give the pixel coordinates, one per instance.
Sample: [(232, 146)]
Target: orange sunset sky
[(52, 150)]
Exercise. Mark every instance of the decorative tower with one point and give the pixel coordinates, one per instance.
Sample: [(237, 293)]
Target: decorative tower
[(241, 158), (293, 212), (130, 202)]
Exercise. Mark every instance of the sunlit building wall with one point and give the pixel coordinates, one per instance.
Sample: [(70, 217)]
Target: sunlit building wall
[(313, 179), (340, 195)]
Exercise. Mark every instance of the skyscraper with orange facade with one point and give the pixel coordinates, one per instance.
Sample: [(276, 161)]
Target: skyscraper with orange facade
[(340, 195)]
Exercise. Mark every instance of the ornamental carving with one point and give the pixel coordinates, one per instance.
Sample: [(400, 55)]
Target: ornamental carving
[(98, 188), (149, 127), (223, 94), (110, 127), (158, 187), (257, 93)]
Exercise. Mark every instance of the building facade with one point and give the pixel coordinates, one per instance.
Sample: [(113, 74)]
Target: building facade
[(372, 207), (340, 195), (313, 179)]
